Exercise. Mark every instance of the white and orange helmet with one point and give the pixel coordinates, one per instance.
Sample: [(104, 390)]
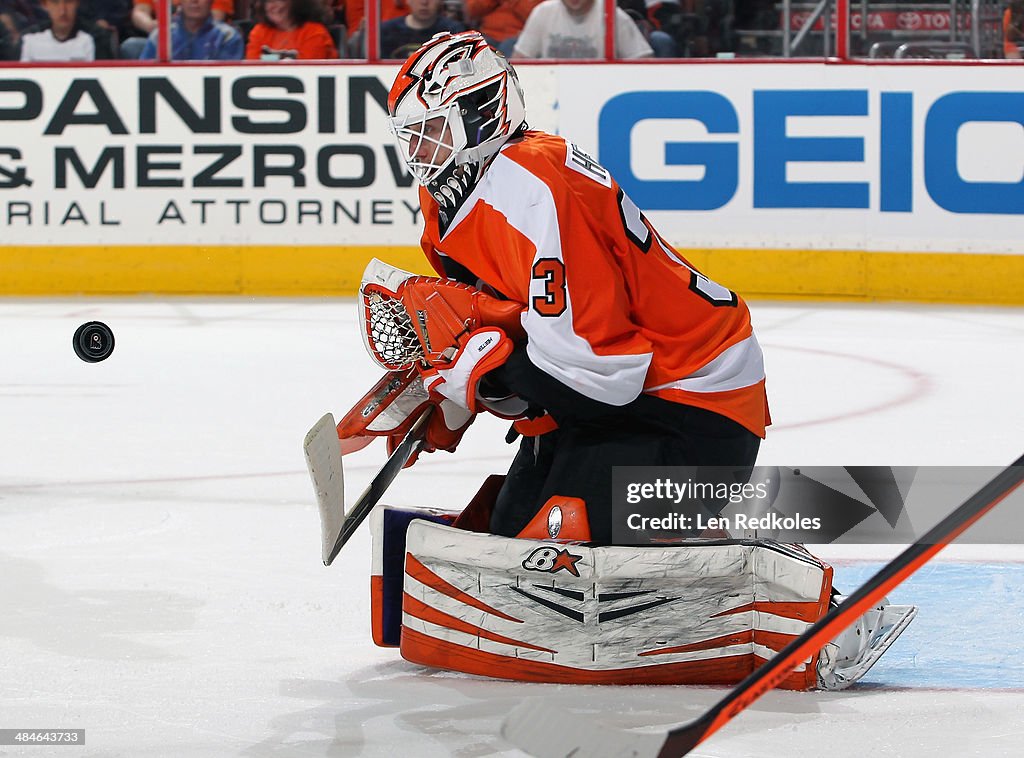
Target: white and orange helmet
[(454, 103)]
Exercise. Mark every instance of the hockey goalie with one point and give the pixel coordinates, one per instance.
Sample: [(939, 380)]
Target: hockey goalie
[(558, 307), (551, 602)]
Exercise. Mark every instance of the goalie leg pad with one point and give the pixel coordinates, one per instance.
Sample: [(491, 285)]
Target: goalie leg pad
[(388, 526), (550, 610)]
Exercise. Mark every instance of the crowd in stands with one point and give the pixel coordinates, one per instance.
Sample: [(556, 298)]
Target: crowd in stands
[(85, 30), (1013, 30)]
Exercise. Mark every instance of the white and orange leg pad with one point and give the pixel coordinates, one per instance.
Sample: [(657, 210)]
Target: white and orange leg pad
[(559, 611), (388, 525)]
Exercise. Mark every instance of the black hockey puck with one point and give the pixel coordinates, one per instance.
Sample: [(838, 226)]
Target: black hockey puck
[(93, 342)]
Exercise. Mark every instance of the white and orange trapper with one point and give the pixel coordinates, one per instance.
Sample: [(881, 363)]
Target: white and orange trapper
[(556, 610)]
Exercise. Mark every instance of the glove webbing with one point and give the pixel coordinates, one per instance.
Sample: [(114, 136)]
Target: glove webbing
[(391, 336)]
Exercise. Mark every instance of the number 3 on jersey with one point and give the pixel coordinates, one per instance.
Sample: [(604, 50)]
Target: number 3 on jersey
[(552, 272)]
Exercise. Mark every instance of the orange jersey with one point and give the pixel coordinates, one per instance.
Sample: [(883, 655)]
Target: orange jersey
[(311, 41), (611, 310), (500, 19), (1011, 41)]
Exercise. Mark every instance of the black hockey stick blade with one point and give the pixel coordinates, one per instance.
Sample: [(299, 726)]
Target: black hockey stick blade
[(548, 732), (409, 446)]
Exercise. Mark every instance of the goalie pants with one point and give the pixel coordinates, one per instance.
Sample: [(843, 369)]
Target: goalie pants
[(577, 459)]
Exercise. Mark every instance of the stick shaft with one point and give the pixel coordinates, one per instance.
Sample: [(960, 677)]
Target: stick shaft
[(375, 490)]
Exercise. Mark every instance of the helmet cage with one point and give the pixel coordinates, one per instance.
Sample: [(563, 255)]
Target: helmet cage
[(455, 103), (430, 140)]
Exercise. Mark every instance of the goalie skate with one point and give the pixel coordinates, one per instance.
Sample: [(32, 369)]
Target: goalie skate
[(850, 655)]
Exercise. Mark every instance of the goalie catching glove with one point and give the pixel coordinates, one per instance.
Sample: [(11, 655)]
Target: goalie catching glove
[(454, 334), (444, 313), (464, 335)]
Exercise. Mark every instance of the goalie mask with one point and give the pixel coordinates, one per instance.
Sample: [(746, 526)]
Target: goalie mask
[(454, 103)]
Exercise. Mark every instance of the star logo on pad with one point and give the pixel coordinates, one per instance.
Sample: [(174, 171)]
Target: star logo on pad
[(551, 560), (566, 560)]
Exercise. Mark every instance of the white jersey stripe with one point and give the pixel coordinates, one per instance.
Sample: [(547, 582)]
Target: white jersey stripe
[(741, 365)]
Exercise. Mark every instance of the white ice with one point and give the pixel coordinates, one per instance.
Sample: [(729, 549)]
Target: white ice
[(160, 577)]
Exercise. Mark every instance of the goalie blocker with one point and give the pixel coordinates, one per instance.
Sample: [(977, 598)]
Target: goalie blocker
[(546, 607)]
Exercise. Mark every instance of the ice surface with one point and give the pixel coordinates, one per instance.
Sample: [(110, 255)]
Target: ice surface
[(160, 577)]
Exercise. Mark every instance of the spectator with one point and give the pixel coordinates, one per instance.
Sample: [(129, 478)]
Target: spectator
[(64, 40), (758, 16), (19, 15), (575, 29), (8, 33), (650, 25), (196, 35), (223, 10), (143, 16), (8, 48), (107, 14), (401, 36), (143, 19), (1013, 30), (500, 21), (288, 30), (143, 23), (109, 22), (355, 11)]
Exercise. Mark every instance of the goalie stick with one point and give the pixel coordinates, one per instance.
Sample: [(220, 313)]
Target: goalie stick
[(323, 458), (544, 731)]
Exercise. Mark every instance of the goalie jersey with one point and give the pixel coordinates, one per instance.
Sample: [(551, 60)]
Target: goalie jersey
[(610, 309)]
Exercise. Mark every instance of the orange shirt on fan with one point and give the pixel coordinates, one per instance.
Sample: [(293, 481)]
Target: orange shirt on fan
[(1011, 47), (311, 41), (611, 310), (500, 19)]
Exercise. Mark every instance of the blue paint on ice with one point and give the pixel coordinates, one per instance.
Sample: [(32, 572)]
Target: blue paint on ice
[(969, 630)]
